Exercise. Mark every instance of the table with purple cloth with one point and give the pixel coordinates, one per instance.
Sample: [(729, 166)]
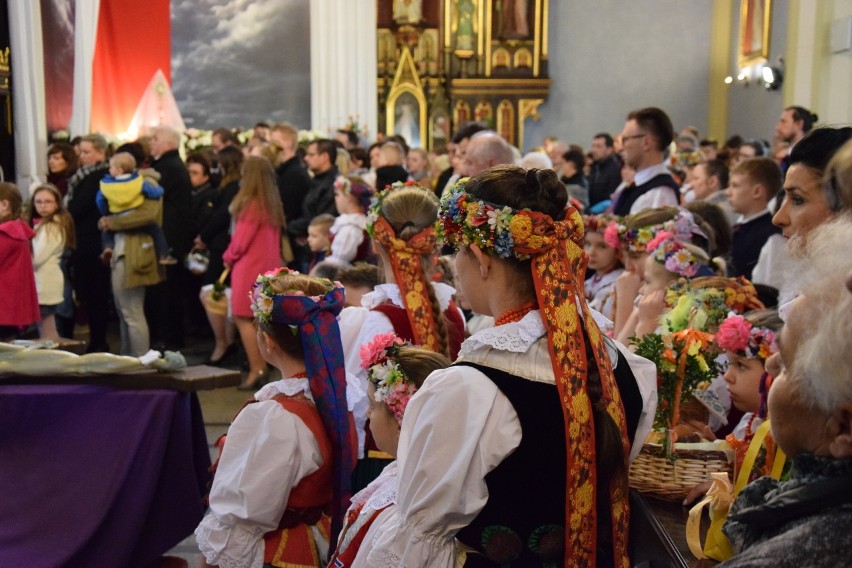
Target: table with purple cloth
[(92, 475)]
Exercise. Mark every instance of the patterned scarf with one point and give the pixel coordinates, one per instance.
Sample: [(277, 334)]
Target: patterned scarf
[(558, 269), (316, 319), (79, 175), (405, 259)]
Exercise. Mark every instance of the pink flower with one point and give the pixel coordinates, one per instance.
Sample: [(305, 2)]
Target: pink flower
[(611, 235), (734, 334), (658, 239), (375, 352)]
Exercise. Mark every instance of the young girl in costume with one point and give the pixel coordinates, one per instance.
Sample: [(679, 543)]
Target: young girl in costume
[(748, 341), (401, 223), (606, 261), (667, 260), (395, 372), (632, 236), (350, 242), (19, 301), (475, 429), (288, 457), (54, 234)]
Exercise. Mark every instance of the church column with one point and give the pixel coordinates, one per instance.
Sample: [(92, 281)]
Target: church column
[(343, 64), (30, 122), (85, 35)]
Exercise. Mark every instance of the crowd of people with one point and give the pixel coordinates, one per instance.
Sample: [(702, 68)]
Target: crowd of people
[(444, 323)]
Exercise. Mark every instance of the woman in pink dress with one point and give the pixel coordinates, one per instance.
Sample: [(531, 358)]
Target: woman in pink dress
[(258, 217)]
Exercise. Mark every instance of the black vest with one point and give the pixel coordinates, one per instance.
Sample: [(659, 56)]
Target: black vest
[(630, 194), (522, 524)]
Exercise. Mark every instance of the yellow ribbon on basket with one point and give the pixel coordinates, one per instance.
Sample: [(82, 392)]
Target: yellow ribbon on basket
[(720, 496)]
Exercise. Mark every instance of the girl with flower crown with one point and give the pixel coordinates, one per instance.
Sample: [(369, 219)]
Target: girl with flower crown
[(410, 304), (395, 372), (632, 237), (282, 481), (350, 242), (542, 391), (606, 262), (668, 259)]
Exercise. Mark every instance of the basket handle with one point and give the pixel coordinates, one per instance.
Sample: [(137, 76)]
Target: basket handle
[(224, 274)]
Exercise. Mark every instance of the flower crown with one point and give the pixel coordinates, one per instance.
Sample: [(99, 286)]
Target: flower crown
[(464, 220), (374, 211), (737, 334), (674, 255), (393, 387), (682, 226), (360, 191), (263, 297)]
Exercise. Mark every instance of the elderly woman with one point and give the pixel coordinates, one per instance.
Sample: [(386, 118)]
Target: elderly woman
[(807, 520)]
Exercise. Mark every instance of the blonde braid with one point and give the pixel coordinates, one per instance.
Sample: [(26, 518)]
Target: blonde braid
[(440, 322)]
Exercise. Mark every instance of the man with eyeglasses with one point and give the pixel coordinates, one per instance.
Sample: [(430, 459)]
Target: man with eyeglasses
[(645, 141)]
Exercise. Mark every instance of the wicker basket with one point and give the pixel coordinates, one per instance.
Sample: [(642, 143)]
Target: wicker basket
[(654, 474)]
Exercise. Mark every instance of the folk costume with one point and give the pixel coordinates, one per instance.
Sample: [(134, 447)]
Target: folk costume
[(282, 481), (518, 392), (404, 308)]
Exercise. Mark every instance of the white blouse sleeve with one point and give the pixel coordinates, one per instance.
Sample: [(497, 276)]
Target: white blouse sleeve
[(357, 327), (344, 246), (267, 452), (456, 429)]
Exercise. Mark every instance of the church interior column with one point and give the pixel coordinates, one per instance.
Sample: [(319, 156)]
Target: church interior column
[(343, 64), (85, 35), (30, 121)]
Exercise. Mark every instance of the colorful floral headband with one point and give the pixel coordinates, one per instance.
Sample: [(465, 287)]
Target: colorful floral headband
[(374, 211), (361, 191), (393, 388), (674, 255), (682, 226), (464, 220), (737, 334), (264, 298)]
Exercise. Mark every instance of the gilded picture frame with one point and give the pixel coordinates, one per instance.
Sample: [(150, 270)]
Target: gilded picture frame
[(754, 33)]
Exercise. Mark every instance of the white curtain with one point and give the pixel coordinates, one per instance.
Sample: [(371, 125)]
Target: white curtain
[(85, 36), (29, 119), (343, 64)]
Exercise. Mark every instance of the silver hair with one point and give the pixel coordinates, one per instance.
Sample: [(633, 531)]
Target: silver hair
[(169, 135), (822, 362), (491, 147), (538, 160)]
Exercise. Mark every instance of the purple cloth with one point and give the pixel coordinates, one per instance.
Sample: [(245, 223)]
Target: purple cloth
[(92, 476)]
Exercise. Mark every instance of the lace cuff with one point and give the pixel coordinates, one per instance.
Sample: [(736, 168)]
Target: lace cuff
[(237, 546)]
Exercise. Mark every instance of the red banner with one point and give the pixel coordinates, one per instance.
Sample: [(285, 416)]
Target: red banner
[(134, 40)]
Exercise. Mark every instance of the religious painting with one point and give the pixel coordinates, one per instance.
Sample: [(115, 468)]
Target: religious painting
[(484, 112), (406, 123), (500, 58), (506, 121), (511, 19), (440, 127), (523, 58), (755, 20), (462, 113)]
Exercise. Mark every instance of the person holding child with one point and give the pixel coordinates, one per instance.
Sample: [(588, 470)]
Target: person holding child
[(123, 190), (395, 371), (282, 481), (54, 234)]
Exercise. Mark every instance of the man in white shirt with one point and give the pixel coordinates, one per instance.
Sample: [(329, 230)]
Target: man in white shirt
[(645, 139)]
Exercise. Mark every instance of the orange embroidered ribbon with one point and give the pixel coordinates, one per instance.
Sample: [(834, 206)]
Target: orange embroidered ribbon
[(558, 269), (405, 259)]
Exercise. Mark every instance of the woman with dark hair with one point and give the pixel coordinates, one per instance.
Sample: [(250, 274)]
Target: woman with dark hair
[(808, 202), (61, 165), (543, 391), (214, 236)]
